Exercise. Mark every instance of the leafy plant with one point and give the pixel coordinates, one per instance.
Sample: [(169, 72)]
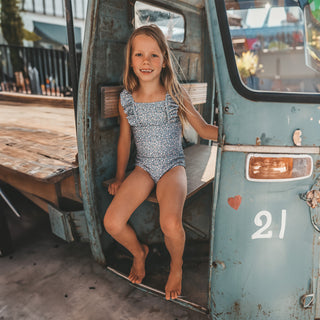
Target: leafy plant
[(11, 22), (12, 30), (247, 64)]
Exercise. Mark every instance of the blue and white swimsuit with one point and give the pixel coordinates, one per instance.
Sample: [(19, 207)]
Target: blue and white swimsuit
[(157, 134)]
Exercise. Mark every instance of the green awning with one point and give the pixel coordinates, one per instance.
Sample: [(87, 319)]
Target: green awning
[(56, 34)]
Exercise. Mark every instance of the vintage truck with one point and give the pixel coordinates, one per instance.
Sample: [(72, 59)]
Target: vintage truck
[(251, 215)]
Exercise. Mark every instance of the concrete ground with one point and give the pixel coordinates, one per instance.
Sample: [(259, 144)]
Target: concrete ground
[(47, 278)]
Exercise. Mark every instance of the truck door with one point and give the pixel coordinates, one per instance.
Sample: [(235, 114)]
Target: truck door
[(265, 245)]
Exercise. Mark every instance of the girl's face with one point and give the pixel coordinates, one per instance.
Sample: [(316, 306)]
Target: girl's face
[(146, 59)]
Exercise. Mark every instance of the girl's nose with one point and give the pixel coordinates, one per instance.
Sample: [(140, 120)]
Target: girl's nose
[(146, 59)]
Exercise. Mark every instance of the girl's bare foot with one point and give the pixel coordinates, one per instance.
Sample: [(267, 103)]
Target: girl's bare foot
[(173, 286), (137, 271)]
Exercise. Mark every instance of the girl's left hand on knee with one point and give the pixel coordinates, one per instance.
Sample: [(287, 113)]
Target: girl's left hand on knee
[(114, 187)]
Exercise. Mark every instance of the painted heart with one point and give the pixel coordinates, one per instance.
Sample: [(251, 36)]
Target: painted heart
[(234, 202)]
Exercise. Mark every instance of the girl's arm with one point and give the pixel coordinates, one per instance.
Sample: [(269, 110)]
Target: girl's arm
[(205, 130), (123, 153)]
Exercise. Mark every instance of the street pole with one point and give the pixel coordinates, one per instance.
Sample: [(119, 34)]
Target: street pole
[(72, 56)]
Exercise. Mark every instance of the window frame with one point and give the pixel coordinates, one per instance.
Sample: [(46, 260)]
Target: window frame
[(168, 8), (273, 96)]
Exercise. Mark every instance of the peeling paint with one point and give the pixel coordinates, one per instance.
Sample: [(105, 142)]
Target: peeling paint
[(264, 139), (236, 308), (297, 137), (294, 109), (313, 198), (258, 141), (217, 264)]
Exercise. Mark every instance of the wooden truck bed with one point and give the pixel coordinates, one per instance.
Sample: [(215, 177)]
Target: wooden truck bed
[(38, 149)]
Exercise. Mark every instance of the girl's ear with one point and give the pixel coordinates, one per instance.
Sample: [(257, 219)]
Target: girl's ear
[(165, 60)]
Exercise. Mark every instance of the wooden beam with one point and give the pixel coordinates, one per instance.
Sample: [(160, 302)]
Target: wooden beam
[(38, 201), (23, 183), (110, 97), (36, 100)]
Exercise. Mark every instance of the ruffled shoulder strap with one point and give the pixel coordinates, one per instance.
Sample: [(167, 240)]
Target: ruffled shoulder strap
[(128, 106), (172, 109)]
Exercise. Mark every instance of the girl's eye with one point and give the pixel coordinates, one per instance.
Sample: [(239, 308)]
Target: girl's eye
[(154, 55), (138, 54)]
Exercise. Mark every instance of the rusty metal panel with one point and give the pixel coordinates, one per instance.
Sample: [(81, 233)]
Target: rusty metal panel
[(68, 225), (265, 243), (60, 225), (265, 248)]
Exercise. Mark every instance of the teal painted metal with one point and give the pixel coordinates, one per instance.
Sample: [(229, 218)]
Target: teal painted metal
[(85, 136), (59, 224), (263, 277), (68, 225), (250, 277), (266, 274)]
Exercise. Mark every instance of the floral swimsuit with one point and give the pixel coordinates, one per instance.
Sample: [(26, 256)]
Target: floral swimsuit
[(157, 134)]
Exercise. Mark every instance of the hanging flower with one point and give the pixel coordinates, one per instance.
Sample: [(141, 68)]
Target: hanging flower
[(248, 64)]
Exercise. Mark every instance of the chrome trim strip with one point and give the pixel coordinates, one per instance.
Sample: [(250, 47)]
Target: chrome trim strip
[(179, 300), (271, 149)]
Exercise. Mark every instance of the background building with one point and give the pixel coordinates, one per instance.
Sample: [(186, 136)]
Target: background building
[(42, 66), (47, 19)]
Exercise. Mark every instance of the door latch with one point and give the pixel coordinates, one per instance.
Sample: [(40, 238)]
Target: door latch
[(307, 299)]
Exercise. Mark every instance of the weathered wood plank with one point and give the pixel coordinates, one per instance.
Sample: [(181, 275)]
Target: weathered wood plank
[(27, 99), (39, 202), (27, 184), (38, 118), (39, 142), (50, 172), (42, 155), (110, 97), (200, 168)]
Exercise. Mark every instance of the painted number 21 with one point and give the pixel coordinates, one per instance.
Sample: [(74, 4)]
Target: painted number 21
[(263, 232)]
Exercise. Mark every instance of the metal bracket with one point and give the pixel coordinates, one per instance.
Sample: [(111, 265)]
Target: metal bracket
[(4, 197), (221, 144), (77, 182)]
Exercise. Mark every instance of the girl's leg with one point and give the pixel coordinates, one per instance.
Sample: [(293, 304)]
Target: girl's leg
[(171, 194), (132, 192)]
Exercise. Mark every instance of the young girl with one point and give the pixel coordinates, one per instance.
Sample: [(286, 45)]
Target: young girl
[(151, 106)]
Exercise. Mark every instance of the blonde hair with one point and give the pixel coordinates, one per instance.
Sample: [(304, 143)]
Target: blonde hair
[(168, 76)]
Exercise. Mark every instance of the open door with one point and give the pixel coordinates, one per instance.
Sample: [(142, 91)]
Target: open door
[(108, 28), (265, 245)]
